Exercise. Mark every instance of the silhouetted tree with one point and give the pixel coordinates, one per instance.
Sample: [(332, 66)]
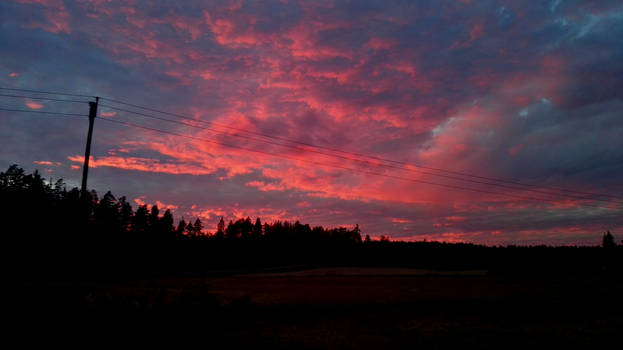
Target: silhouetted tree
[(197, 227), (140, 219), (166, 224), (220, 229), (107, 215), (13, 178), (181, 228), (355, 234), (153, 219), (257, 228), (246, 228), (230, 231), (608, 240), (125, 214)]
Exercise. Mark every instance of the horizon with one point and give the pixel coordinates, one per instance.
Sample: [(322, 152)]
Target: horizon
[(451, 121)]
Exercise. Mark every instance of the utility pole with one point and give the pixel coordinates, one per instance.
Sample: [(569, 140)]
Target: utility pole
[(87, 153)]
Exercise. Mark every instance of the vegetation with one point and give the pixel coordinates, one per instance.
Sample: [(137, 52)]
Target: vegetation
[(106, 268), (55, 232)]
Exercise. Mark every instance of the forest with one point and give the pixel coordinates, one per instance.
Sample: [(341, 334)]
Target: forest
[(55, 232)]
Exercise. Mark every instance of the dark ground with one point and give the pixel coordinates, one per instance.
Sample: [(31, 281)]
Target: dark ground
[(335, 308)]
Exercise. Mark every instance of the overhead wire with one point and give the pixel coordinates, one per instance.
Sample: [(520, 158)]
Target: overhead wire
[(340, 166), (363, 160), (363, 155), (517, 183), (292, 158), (42, 112), (43, 98), (46, 92)]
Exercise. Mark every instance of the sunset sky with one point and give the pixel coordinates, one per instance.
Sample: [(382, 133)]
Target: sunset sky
[(456, 103)]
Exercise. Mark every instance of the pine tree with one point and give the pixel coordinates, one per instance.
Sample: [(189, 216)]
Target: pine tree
[(197, 227), (257, 228), (181, 228), (246, 228), (166, 224), (125, 214), (153, 219), (230, 231), (608, 240), (140, 219), (220, 229)]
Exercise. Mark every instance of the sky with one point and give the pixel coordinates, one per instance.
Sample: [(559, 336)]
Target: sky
[(492, 122)]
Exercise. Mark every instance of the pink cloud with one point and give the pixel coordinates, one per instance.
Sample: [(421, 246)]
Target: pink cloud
[(56, 15), (400, 221), (265, 187), (302, 81), (47, 162), (33, 105), (142, 164), (161, 206)]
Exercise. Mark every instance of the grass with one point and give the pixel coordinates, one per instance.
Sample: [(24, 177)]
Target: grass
[(355, 308)]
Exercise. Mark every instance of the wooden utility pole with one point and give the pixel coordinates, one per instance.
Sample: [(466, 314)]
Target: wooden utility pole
[(87, 153)]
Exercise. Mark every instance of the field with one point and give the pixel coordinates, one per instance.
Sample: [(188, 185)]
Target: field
[(348, 308)]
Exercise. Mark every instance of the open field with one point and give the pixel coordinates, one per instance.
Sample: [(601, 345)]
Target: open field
[(353, 308)]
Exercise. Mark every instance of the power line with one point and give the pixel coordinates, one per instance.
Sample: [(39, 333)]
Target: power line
[(46, 92), (42, 98), (364, 155), (364, 161), (341, 167), (297, 159), (513, 182), (43, 112)]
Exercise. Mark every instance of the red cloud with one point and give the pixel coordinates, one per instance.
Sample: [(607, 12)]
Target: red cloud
[(47, 162), (368, 93), (142, 164), (34, 105)]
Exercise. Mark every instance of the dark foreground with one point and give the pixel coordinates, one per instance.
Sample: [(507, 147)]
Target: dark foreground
[(349, 308)]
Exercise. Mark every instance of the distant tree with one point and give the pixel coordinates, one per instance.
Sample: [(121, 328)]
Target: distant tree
[(246, 228), (608, 240), (107, 214), (125, 214), (153, 218), (257, 228), (267, 230), (190, 230), (197, 227), (166, 224), (59, 188), (367, 239), (91, 201), (140, 219), (181, 228), (355, 234), (13, 178), (230, 231), (220, 229)]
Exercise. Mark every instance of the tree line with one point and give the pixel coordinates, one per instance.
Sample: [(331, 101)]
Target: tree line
[(109, 216), (50, 230)]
